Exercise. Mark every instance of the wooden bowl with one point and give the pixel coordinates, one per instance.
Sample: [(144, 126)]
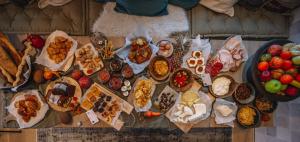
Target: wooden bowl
[(232, 87), (187, 86), (152, 71)]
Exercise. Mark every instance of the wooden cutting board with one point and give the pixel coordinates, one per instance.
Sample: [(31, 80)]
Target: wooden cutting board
[(82, 120), (183, 126)]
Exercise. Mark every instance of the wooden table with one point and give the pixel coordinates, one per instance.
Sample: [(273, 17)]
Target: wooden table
[(238, 134)]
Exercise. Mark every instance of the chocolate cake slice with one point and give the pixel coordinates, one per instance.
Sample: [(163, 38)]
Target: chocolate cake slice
[(63, 89)]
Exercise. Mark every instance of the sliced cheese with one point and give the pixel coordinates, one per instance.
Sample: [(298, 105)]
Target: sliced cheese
[(200, 110)]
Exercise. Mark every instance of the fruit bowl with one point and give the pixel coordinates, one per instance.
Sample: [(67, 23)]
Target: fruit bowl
[(255, 73)]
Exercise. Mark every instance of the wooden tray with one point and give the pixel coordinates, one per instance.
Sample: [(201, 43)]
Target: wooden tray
[(183, 126), (78, 92), (125, 106)]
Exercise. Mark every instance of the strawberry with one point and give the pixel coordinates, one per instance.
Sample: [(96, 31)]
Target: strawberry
[(286, 79), (262, 66), (287, 64), (286, 55)]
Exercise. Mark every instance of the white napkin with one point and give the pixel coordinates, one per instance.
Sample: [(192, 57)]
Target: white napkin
[(123, 52)]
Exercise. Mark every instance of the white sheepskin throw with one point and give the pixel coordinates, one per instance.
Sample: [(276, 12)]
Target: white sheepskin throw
[(112, 23)]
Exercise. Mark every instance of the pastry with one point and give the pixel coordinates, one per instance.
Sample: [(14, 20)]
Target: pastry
[(140, 51)]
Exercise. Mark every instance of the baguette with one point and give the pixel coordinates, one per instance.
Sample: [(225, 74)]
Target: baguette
[(7, 76), (4, 41), (6, 62)]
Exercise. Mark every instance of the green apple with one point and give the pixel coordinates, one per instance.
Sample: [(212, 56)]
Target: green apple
[(273, 86)]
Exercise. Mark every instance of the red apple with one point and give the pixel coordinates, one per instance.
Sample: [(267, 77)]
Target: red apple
[(36, 41), (287, 64), (291, 91), (276, 74), (286, 55), (292, 71), (85, 82), (76, 74), (262, 66), (275, 49), (298, 77), (286, 79), (276, 63), (265, 76)]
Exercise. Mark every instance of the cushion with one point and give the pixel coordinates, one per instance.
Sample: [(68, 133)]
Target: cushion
[(281, 6), (142, 7), (220, 6), (186, 4), (259, 24), (69, 18)]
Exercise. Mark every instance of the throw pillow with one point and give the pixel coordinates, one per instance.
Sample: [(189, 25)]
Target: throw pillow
[(251, 4), (281, 6), (186, 4), (220, 6), (142, 7)]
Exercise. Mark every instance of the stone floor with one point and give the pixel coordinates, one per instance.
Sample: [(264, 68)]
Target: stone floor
[(286, 127)]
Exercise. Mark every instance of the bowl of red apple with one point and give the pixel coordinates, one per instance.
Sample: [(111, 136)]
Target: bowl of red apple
[(275, 72)]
